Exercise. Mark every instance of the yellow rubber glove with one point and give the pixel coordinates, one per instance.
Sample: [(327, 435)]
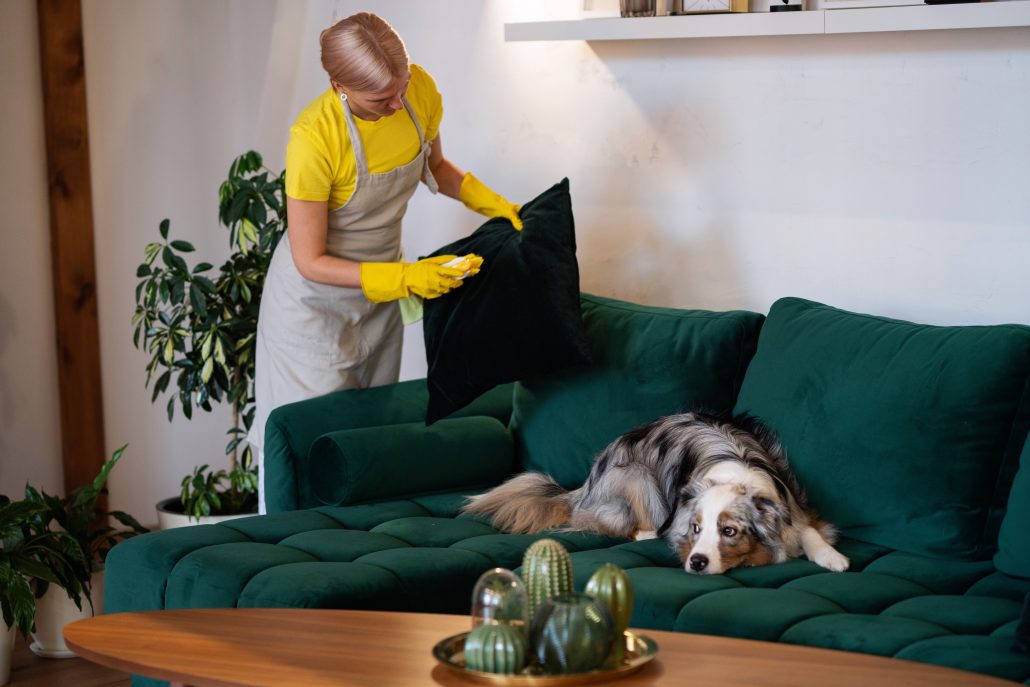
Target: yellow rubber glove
[(470, 264), (477, 197), (389, 281)]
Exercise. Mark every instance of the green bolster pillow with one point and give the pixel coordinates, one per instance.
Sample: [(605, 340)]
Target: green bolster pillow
[(376, 463)]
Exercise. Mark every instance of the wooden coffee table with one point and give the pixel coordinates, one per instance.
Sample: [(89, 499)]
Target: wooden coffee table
[(283, 647)]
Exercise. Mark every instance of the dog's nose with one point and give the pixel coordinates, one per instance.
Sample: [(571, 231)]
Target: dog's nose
[(698, 562)]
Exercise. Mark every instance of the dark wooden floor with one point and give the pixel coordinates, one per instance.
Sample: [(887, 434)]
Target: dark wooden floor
[(29, 670)]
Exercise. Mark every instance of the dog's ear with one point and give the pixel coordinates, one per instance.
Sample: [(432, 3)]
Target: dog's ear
[(691, 490), (681, 507), (771, 517)]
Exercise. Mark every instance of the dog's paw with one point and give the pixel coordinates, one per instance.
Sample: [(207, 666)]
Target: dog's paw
[(832, 559), (645, 534)]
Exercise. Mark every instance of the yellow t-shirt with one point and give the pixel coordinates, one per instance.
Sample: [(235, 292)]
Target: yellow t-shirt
[(320, 162)]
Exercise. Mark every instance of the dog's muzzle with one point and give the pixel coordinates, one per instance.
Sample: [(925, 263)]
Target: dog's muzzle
[(698, 562)]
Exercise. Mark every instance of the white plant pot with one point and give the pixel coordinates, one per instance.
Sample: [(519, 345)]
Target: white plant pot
[(55, 609), (6, 652), (168, 516)]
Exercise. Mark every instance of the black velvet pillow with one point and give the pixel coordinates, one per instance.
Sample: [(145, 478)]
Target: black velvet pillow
[(518, 317)]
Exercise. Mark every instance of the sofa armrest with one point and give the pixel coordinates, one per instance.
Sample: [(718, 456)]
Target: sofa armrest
[(292, 429), (361, 465)]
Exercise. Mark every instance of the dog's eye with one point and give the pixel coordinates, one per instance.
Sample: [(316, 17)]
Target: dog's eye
[(696, 528), (729, 531)]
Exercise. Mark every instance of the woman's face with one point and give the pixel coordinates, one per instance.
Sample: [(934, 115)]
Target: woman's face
[(371, 106)]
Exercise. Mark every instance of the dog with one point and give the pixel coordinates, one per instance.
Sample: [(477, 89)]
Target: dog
[(717, 487)]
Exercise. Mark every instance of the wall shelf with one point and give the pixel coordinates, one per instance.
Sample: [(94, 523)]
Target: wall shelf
[(859, 20)]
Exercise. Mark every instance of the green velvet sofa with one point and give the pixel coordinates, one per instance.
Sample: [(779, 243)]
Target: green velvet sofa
[(908, 437)]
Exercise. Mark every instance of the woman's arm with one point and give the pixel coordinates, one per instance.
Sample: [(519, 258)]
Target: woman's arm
[(308, 228), (448, 176), (472, 192)]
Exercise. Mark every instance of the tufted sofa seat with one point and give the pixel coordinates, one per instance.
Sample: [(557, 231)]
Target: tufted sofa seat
[(912, 439)]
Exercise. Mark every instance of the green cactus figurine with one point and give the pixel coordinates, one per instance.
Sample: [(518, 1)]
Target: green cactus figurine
[(546, 571), (495, 648), (571, 633), (611, 586)]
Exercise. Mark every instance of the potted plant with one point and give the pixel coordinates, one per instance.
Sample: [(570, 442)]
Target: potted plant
[(200, 331), (26, 556), (82, 530)]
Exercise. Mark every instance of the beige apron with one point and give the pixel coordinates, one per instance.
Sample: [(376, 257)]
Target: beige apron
[(314, 338)]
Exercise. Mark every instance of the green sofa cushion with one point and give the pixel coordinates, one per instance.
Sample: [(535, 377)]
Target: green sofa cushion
[(991, 655), (752, 613), (294, 427), (869, 634), (1013, 556), (899, 432), (958, 614), (648, 362), (360, 465), (323, 584)]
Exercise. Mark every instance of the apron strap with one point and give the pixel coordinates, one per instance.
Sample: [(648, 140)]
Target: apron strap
[(361, 162), (427, 174)]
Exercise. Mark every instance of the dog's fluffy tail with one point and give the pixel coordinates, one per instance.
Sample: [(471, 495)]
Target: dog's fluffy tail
[(527, 503)]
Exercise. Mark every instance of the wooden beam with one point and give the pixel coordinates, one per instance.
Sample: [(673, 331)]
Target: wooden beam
[(71, 239)]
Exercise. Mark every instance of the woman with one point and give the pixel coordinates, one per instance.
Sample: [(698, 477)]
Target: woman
[(355, 157)]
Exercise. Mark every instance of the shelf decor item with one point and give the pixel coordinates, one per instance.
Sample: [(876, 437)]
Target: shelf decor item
[(547, 572), (707, 6), (637, 8)]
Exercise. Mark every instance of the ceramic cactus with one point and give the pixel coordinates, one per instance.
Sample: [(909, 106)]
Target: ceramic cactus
[(495, 648), (571, 633), (611, 586), (546, 571)]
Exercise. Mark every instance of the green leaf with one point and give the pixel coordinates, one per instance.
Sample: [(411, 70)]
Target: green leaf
[(257, 214), (164, 228), (183, 246), (161, 384), (205, 284), (202, 267), (180, 264), (237, 208), (209, 367), (142, 271), (197, 301), (151, 251), (98, 482)]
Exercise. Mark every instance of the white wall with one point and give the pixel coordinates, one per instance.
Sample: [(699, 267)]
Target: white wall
[(30, 436), (885, 173)]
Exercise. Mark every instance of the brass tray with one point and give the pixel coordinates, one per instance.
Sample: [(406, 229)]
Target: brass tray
[(640, 649)]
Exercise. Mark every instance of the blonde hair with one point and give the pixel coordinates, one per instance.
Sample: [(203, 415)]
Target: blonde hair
[(363, 53)]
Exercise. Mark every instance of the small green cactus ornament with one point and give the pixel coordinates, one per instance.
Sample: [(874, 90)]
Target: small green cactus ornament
[(546, 571), (612, 587), (571, 633), (496, 648)]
